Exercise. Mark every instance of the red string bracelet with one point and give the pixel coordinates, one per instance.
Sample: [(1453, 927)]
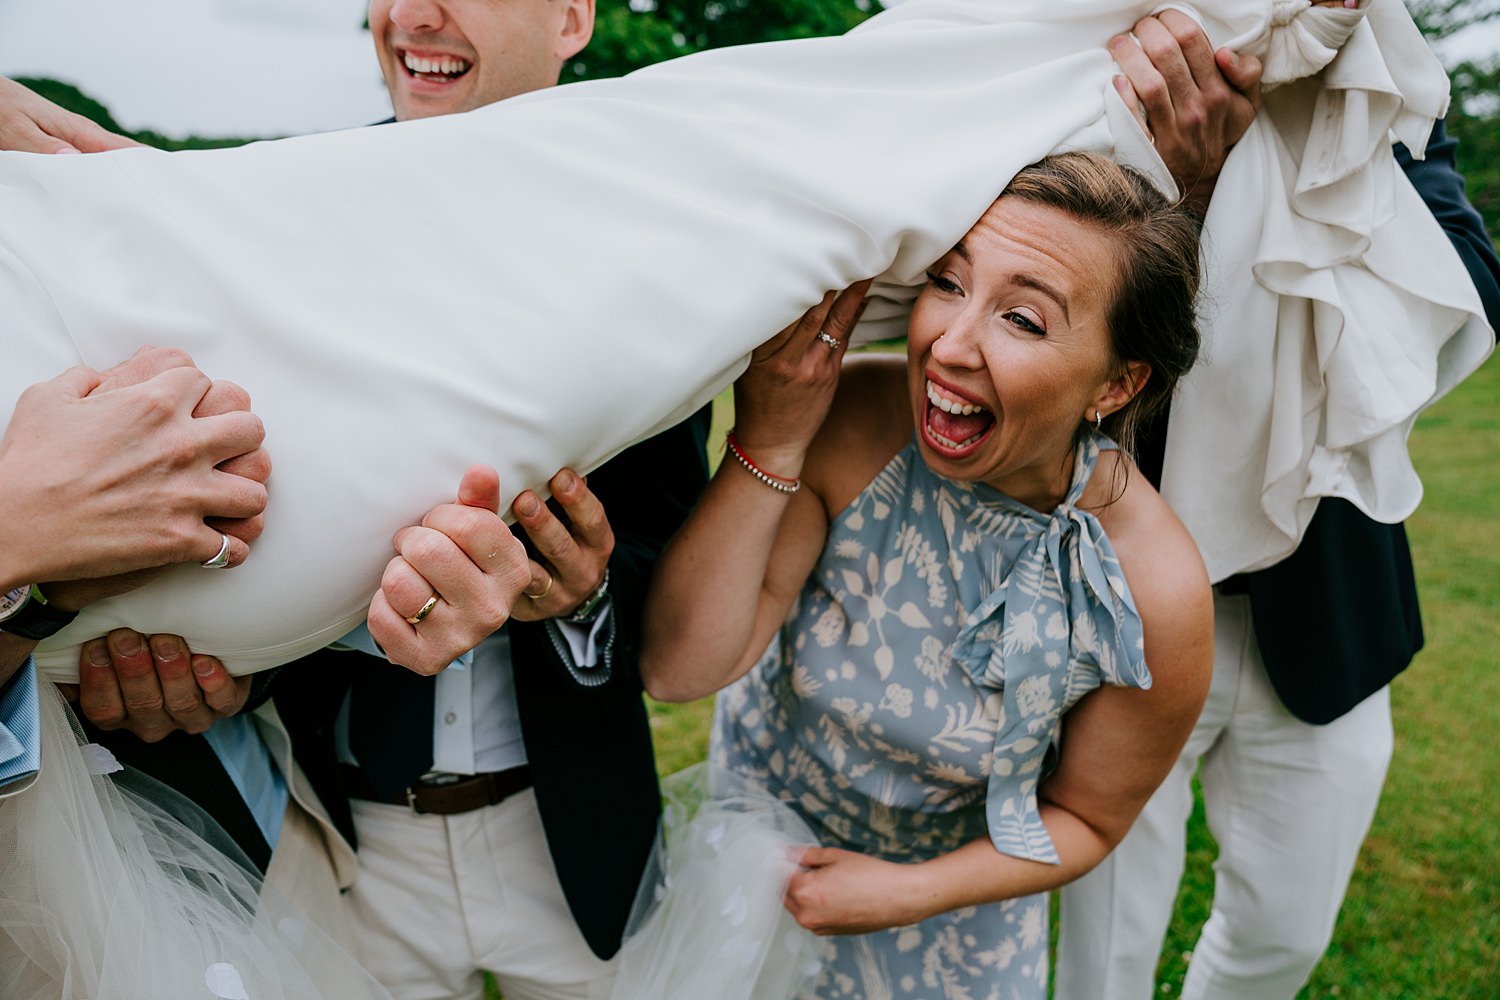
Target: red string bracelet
[(775, 482)]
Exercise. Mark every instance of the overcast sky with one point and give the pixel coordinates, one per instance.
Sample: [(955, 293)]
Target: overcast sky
[(242, 67), (204, 67)]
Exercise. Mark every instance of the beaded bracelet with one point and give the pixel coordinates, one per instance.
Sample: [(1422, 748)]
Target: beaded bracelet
[(776, 483)]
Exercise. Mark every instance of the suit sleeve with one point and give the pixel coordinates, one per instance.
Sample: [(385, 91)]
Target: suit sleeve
[(647, 491), (1441, 186)]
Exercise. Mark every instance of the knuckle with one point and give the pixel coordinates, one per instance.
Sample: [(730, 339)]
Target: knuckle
[(178, 448), (143, 704), (183, 705), (425, 546), (1183, 29), (496, 609), (105, 717), (171, 357), (1160, 46), (397, 576), (230, 395), (1151, 88)]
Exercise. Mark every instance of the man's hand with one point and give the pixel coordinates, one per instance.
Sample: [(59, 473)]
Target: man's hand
[(106, 474), (1194, 102), (29, 123), (154, 686), (574, 553), (463, 556)]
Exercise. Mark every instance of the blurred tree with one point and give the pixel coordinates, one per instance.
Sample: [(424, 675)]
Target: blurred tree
[(629, 34), (1474, 116), (1441, 18), (68, 96), (1474, 120)]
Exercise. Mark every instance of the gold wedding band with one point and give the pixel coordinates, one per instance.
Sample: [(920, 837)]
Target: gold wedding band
[(416, 619), (545, 590)]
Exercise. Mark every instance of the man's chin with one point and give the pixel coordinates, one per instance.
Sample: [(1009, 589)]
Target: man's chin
[(430, 101)]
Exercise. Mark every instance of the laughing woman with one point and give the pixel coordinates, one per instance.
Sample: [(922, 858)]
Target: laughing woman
[(956, 696)]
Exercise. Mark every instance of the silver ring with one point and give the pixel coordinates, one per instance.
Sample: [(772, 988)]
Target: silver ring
[(416, 619), (832, 342), (222, 559)]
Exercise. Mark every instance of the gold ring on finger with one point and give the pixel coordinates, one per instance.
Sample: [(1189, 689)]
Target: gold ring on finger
[(417, 618), (545, 590), (832, 341)]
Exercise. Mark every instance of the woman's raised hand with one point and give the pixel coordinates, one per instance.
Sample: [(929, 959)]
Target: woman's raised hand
[(783, 397)]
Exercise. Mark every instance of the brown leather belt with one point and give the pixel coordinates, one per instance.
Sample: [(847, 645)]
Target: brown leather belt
[(446, 798)]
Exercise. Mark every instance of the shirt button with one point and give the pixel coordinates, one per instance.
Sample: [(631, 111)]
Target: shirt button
[(451, 718)]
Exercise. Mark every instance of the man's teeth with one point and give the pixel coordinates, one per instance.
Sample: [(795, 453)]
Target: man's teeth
[(936, 397), (446, 65)]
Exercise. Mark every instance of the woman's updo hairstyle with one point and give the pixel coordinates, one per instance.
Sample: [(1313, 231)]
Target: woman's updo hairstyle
[(1153, 317)]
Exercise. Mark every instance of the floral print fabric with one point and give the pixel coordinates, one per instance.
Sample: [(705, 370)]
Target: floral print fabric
[(911, 702)]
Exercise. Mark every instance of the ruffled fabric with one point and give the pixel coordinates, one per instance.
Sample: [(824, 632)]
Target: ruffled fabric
[(1061, 623), (1336, 309)]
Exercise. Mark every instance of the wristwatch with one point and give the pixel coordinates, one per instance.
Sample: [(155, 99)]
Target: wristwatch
[(589, 609), (26, 613)]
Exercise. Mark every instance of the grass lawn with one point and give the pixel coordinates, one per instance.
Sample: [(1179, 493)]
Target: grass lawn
[(1422, 918)]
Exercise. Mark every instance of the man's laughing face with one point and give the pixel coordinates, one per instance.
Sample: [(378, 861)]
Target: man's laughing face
[(444, 56)]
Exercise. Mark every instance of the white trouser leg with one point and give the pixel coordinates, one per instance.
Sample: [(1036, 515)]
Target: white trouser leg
[(1289, 804), (1114, 919), (438, 899)]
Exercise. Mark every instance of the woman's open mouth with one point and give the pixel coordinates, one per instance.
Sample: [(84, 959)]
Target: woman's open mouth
[(954, 426)]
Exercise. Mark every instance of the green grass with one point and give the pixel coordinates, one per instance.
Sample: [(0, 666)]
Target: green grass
[(1422, 918)]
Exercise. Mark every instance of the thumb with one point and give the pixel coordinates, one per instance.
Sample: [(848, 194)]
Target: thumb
[(480, 487), (1242, 71), (77, 382), (98, 140), (817, 857), (77, 134)]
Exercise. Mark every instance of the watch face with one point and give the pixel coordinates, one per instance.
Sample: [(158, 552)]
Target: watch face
[(13, 601)]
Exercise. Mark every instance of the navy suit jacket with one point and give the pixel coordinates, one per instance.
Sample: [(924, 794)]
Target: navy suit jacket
[(1338, 618), (589, 748)]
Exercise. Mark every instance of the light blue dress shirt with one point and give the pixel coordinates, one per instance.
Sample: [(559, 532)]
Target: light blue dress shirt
[(20, 727)]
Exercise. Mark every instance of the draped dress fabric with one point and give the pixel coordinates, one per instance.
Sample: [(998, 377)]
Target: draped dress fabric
[(612, 250), (912, 701)]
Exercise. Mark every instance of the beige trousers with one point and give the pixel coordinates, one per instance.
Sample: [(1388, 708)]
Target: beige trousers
[(438, 899)]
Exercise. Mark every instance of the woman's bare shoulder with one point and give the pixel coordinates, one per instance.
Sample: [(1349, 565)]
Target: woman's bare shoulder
[(1161, 562), (869, 422)]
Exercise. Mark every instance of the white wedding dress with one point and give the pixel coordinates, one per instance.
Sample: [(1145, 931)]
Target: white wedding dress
[(545, 281)]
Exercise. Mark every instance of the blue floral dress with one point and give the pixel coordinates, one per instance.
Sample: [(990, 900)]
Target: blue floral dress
[(911, 703)]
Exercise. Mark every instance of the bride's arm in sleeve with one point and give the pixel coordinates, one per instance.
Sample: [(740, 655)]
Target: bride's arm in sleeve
[(725, 582), (1118, 744)]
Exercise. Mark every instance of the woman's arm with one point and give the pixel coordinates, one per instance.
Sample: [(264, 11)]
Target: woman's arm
[(1118, 744), (726, 581)]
